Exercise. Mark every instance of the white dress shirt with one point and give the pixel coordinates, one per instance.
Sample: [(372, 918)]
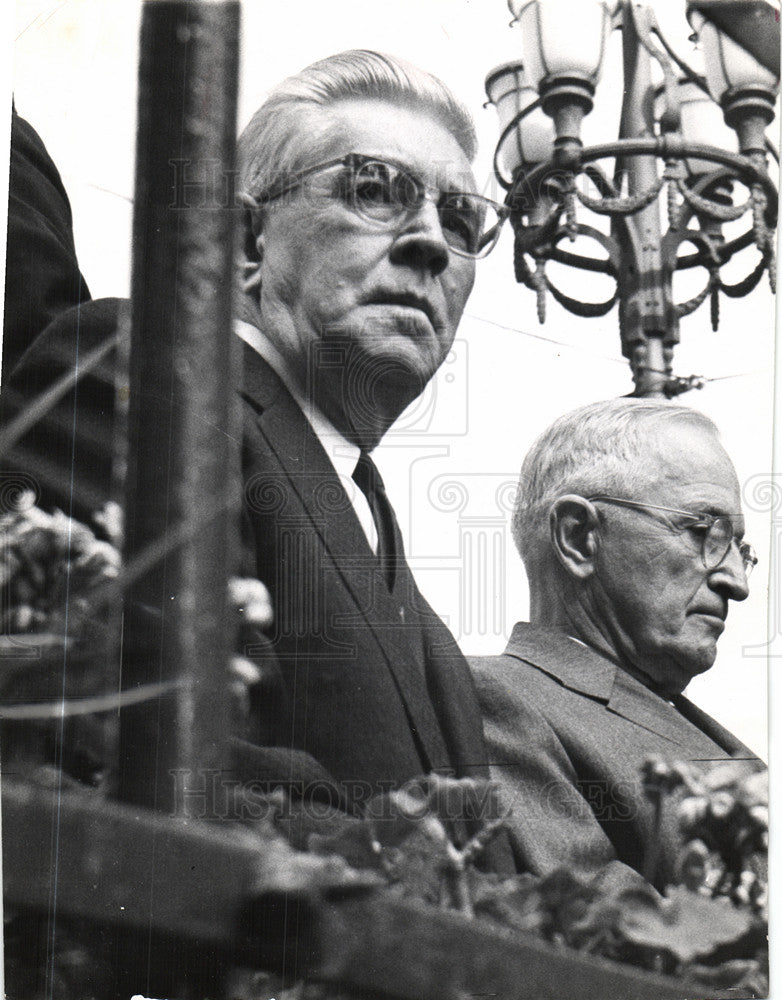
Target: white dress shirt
[(342, 454)]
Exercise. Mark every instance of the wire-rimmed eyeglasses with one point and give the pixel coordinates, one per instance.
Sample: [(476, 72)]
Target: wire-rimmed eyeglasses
[(716, 532), (388, 194)]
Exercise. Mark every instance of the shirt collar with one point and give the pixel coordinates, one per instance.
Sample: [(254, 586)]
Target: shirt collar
[(343, 453)]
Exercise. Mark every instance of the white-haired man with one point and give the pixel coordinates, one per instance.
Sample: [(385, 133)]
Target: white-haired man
[(628, 519), (363, 228)]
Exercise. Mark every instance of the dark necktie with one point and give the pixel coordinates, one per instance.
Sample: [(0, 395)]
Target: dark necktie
[(368, 480)]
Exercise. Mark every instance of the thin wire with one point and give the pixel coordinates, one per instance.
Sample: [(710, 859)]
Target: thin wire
[(606, 357), (703, 378), (158, 549), (548, 340), (38, 409), (152, 553), (65, 709), (116, 194)]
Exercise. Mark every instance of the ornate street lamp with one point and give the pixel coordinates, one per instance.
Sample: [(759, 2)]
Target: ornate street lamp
[(673, 141)]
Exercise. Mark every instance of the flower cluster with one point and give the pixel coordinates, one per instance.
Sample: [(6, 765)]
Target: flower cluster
[(52, 568), (723, 818)]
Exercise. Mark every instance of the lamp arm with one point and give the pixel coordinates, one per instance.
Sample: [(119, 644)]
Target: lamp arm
[(602, 182), (530, 237), (715, 284), (689, 73), (685, 308), (745, 286), (608, 266), (724, 213), (621, 206), (665, 147), (708, 254), (645, 23), (582, 263), (711, 256), (587, 310), (725, 252), (539, 282), (670, 146)]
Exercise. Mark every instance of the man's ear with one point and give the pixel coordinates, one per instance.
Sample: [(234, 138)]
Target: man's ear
[(573, 526), (253, 234), (252, 245)]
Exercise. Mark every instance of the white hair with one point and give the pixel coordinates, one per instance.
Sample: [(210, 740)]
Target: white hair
[(271, 146), (284, 137), (598, 448)]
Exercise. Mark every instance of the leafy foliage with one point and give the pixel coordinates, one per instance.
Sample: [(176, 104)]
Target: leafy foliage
[(698, 932)]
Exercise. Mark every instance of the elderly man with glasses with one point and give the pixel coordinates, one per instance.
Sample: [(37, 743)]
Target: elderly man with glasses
[(628, 519), (362, 230)]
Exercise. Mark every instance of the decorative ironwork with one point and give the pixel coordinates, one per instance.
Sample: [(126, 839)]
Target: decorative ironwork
[(546, 200)]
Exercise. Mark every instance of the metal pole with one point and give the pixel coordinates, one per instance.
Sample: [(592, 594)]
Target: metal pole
[(647, 319), (180, 434)]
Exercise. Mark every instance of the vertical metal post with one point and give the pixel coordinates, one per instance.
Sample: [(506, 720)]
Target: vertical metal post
[(180, 434), (648, 323)]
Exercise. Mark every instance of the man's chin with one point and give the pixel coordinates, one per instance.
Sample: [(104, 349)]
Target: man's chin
[(693, 662), (365, 402), (401, 361), (390, 379), (672, 668)]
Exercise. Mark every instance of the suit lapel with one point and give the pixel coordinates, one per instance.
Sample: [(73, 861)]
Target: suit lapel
[(309, 472), (711, 728), (573, 664), (582, 669), (633, 701)]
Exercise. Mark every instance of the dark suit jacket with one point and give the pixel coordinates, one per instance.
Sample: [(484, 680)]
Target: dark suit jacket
[(42, 273), (567, 732), (377, 689), (66, 457), (371, 689)]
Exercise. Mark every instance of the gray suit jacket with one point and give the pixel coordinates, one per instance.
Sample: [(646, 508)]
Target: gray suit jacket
[(567, 732)]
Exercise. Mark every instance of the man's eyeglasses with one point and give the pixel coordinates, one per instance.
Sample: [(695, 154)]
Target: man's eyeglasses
[(716, 532), (388, 194)]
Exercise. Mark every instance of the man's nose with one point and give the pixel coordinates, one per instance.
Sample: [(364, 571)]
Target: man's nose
[(420, 242), (731, 575)]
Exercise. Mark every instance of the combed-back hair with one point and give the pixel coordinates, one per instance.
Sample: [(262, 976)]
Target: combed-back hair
[(271, 147), (599, 448)]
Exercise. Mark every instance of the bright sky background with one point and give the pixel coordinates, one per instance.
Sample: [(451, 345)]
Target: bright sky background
[(451, 462)]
